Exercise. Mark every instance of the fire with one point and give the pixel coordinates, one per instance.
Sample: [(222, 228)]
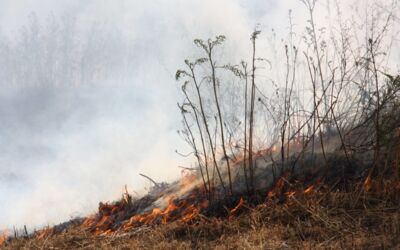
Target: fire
[(89, 221), (309, 189), (290, 193), (282, 186), (3, 237), (176, 210), (108, 214), (191, 212), (368, 183), (239, 205), (278, 188), (123, 216)]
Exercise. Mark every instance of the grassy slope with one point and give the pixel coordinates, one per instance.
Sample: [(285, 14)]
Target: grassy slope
[(323, 219)]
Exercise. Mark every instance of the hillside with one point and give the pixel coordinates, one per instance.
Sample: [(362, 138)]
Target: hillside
[(290, 135), (304, 210), (322, 217)]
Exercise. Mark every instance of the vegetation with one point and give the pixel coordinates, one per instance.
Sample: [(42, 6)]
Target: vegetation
[(320, 219), (327, 133), (349, 85)]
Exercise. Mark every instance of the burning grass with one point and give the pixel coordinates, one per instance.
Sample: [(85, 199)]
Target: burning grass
[(339, 204), (365, 214)]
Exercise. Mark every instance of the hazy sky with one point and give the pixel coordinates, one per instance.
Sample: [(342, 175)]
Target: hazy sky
[(64, 149)]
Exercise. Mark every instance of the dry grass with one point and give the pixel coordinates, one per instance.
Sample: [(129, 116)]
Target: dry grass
[(326, 218)]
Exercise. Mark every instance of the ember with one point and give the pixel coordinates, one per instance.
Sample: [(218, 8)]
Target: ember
[(367, 183), (290, 193), (3, 237), (239, 205), (309, 189)]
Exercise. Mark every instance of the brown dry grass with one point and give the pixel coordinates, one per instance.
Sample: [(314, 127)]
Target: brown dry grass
[(324, 219)]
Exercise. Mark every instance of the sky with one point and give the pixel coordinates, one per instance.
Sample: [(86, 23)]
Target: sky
[(64, 149)]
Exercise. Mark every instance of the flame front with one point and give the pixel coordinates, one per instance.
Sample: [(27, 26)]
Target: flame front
[(109, 216), (282, 188), (176, 210)]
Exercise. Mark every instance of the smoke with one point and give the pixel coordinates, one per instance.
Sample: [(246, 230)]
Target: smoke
[(64, 147), (67, 148)]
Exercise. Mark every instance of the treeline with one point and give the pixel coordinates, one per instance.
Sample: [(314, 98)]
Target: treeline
[(59, 51)]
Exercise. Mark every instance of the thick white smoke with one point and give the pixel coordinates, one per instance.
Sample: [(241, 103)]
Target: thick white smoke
[(65, 148)]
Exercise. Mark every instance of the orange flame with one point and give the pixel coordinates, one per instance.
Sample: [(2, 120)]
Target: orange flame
[(191, 212), (176, 210), (368, 183), (290, 194), (239, 205), (3, 237), (278, 188), (309, 189)]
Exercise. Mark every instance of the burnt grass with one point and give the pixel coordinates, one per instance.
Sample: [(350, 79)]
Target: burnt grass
[(331, 216)]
